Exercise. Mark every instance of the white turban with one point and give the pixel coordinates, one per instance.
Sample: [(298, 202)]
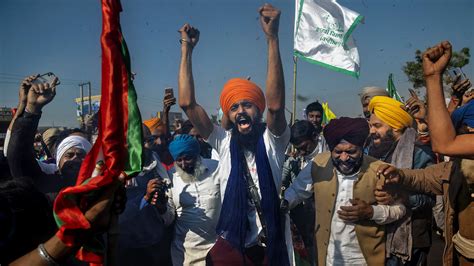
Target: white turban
[(69, 142)]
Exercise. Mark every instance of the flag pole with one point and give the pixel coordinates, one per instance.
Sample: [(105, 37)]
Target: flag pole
[(293, 114)]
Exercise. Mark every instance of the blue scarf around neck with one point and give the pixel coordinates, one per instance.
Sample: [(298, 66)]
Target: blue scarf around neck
[(233, 221)]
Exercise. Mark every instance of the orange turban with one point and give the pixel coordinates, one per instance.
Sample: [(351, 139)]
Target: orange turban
[(236, 90), (153, 123)]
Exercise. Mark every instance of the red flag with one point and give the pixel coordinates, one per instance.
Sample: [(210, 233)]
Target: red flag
[(119, 143)]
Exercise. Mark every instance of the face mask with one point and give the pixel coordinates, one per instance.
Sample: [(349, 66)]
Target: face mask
[(70, 169)]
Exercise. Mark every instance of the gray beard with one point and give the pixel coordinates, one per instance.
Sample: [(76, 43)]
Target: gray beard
[(199, 169)]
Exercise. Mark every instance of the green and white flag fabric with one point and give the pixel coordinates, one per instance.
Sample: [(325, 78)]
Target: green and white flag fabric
[(392, 91), (323, 35)]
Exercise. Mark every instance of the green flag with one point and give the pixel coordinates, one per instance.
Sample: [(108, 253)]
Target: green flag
[(392, 91)]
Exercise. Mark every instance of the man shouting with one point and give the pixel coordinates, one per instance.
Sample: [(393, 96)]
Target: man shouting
[(251, 153)]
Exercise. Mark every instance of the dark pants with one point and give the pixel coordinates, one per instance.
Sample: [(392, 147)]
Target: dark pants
[(419, 257), (224, 254)]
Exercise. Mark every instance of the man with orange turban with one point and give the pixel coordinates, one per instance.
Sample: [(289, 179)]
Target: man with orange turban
[(392, 140), (251, 153)]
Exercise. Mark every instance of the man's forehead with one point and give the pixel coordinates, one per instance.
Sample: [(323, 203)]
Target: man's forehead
[(345, 145), (375, 120), (75, 150), (243, 101), (314, 113)]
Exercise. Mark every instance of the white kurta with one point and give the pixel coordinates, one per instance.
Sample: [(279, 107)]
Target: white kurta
[(275, 146), (343, 248), (197, 205)]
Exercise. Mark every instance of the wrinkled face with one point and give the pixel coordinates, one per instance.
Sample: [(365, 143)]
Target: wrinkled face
[(347, 157), (365, 107), (306, 147), (244, 115), (316, 118), (187, 163), (71, 161), (380, 132)]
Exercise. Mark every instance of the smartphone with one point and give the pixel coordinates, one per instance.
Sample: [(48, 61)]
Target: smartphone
[(46, 78), (169, 91), (453, 72)]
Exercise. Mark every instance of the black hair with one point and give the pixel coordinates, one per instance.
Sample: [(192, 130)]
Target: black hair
[(314, 106), (26, 218), (302, 130), (186, 127)]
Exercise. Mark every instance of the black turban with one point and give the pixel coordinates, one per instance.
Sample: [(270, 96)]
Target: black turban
[(353, 130)]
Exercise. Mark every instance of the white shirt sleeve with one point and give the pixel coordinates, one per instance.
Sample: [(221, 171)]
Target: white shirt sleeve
[(215, 138), (301, 188), (385, 214)]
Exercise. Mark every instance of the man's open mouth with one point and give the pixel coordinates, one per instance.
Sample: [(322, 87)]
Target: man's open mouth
[(244, 122)]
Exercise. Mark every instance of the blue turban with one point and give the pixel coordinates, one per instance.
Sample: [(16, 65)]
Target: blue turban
[(184, 145), (464, 115)]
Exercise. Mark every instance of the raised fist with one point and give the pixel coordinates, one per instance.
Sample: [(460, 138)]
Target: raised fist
[(270, 19), (436, 59), (189, 35)]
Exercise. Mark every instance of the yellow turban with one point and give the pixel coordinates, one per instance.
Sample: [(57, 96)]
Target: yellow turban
[(237, 89), (390, 112), (153, 123)]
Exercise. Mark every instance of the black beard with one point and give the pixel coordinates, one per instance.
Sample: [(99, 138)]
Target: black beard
[(356, 166), (248, 141), (385, 147)]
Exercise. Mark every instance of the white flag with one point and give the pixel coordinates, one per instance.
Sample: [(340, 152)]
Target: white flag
[(323, 35)]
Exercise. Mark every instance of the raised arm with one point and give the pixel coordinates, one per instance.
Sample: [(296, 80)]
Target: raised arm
[(21, 158), (275, 86), (187, 100), (442, 131), (168, 101)]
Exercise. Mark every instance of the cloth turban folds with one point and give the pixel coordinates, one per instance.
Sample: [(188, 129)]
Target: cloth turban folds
[(390, 112), (70, 142), (464, 115), (184, 145), (370, 92), (153, 123), (236, 90), (352, 130)]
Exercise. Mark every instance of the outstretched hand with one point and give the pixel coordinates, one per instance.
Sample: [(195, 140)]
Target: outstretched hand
[(25, 87), (111, 201), (168, 101), (390, 173), (460, 86), (40, 94), (415, 107), (436, 59), (269, 19), (189, 35)]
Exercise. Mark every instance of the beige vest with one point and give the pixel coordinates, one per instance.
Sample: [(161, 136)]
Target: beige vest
[(370, 235)]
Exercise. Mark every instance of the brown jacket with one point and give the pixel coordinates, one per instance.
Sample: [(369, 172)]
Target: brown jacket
[(370, 235), (442, 179)]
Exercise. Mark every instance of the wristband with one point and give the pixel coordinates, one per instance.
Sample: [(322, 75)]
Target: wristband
[(181, 41)]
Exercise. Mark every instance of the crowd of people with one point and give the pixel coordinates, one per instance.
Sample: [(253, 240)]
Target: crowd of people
[(253, 190)]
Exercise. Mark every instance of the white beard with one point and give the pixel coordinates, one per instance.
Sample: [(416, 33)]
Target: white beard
[(199, 169)]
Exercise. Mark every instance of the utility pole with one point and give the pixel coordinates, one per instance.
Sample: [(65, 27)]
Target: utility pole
[(81, 91)]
